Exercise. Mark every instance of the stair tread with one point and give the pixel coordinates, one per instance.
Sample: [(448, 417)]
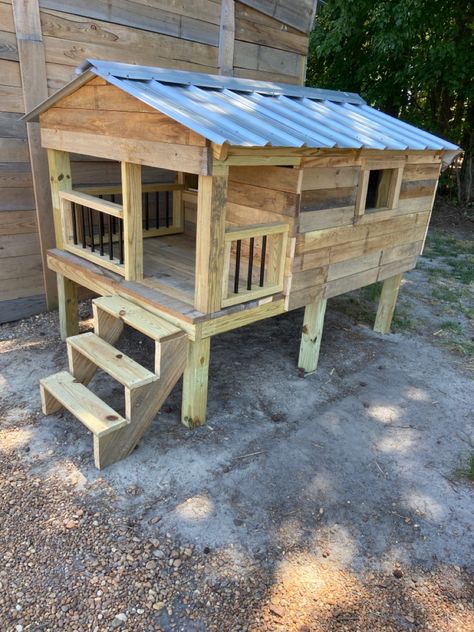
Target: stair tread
[(111, 360), (140, 319), (92, 411)]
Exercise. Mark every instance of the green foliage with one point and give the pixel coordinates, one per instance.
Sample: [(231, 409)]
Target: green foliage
[(410, 58)]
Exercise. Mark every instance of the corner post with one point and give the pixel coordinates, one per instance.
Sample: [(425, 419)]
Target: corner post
[(68, 309), (132, 221), (210, 237), (311, 337), (195, 383), (387, 302), (60, 180)]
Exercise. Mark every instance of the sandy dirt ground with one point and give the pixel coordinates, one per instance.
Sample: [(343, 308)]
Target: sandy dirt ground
[(335, 502)]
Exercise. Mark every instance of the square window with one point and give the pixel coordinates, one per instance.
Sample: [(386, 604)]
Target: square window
[(379, 187)]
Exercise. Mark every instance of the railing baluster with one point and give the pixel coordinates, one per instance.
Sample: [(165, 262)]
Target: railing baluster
[(101, 234), (74, 223), (114, 228), (83, 226), (262, 260), (111, 241), (250, 269), (237, 266), (157, 202), (91, 229), (168, 197), (120, 225), (147, 212)]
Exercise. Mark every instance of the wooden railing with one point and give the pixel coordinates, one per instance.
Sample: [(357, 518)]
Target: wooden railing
[(254, 262), (93, 225)]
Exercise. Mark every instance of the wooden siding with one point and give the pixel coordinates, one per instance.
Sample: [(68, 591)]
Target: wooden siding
[(271, 41), (337, 252)]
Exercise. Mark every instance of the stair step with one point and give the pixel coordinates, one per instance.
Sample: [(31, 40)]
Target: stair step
[(140, 319), (94, 413), (111, 360)]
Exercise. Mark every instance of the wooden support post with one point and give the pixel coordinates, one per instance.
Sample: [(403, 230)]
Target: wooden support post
[(312, 333), (387, 302), (60, 180), (210, 232), (195, 383), (132, 221), (68, 310), (178, 204), (31, 55)]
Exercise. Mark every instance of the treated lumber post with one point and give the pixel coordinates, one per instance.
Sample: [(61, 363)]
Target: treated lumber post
[(210, 233), (68, 310), (60, 180), (387, 302), (132, 221), (311, 337), (195, 383)]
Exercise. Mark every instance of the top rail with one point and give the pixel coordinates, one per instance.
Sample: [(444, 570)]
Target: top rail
[(84, 199), (112, 189)]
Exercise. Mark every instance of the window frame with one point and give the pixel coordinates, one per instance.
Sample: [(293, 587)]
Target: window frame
[(361, 213)]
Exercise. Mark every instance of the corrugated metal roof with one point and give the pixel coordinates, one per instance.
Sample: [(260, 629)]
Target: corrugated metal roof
[(247, 113)]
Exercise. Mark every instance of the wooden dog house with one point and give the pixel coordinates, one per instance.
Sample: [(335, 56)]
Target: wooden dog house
[(278, 197)]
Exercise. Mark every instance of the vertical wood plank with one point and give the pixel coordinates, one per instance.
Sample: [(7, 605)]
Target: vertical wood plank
[(132, 221), (210, 230), (178, 205), (35, 89), (195, 383), (60, 180), (387, 303), (68, 309), (226, 38), (311, 337)]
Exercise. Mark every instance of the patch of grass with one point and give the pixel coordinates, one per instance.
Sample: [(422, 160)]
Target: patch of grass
[(438, 244), (462, 269), (463, 348), (402, 320), (469, 313), (469, 471), (447, 294), (451, 325)]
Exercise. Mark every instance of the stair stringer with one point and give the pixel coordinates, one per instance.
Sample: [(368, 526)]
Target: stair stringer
[(142, 405)]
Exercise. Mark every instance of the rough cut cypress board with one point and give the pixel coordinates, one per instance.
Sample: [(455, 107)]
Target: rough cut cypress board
[(140, 16)]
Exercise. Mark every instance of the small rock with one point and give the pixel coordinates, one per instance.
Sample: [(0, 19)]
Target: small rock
[(158, 553), (398, 573), (159, 605), (279, 612), (119, 620), (177, 563)]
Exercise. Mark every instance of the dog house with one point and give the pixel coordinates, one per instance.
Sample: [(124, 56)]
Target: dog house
[(278, 197)]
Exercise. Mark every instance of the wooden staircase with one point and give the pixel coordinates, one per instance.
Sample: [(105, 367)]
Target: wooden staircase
[(145, 391)]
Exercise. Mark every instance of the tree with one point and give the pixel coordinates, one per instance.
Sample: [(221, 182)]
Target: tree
[(410, 58)]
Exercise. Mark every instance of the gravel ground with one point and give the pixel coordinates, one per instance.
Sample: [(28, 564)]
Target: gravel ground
[(337, 502)]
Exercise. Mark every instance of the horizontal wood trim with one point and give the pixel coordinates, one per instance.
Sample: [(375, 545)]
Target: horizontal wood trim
[(8, 46), (298, 15), (162, 155), (250, 295), (84, 199), (146, 188)]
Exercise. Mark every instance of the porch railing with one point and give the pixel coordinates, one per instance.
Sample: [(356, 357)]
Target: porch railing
[(92, 221), (254, 262)]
